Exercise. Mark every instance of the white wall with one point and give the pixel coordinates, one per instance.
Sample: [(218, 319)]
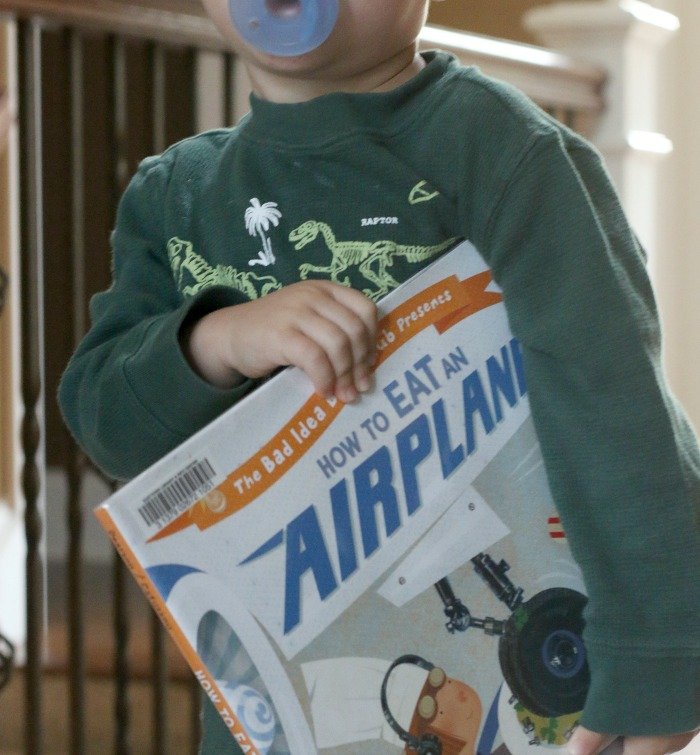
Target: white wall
[(12, 540), (677, 272)]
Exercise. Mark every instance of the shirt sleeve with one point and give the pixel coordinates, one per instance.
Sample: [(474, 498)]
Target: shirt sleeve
[(128, 394), (621, 459)]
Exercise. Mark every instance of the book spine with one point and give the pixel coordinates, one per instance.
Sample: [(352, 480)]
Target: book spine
[(190, 654)]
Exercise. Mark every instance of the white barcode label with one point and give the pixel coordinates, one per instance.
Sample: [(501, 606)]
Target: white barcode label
[(178, 493)]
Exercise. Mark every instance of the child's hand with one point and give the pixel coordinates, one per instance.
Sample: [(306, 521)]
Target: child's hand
[(585, 742), (326, 329)]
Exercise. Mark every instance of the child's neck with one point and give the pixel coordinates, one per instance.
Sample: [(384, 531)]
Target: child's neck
[(287, 87)]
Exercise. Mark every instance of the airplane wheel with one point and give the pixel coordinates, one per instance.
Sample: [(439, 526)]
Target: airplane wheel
[(542, 655)]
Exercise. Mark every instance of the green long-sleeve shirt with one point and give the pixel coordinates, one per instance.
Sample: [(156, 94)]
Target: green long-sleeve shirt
[(304, 190)]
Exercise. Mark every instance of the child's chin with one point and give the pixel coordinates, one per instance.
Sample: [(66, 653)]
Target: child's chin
[(300, 65)]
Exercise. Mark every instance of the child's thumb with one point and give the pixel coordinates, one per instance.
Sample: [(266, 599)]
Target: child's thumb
[(585, 742)]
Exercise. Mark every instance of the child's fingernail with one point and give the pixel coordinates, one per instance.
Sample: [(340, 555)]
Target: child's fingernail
[(364, 383), (347, 395)]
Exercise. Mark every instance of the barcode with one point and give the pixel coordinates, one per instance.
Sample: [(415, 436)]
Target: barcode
[(177, 493)]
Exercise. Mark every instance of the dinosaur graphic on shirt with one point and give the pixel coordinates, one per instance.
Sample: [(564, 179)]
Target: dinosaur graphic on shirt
[(372, 257), (192, 273)]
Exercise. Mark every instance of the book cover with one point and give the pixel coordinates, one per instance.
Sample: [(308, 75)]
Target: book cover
[(380, 577)]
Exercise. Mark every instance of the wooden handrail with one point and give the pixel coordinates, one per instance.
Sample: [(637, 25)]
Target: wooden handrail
[(547, 77), (169, 21)]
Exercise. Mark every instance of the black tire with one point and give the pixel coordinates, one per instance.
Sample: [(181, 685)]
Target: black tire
[(542, 655)]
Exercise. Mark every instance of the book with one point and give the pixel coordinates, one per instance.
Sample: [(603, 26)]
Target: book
[(384, 576)]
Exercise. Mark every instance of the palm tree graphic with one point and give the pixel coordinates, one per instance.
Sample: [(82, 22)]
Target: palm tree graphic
[(258, 219)]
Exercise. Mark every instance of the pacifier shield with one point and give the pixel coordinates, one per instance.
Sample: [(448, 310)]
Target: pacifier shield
[(284, 27)]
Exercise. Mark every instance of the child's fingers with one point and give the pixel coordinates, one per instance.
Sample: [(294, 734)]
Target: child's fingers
[(359, 381), (585, 742), (305, 352), (364, 342), (354, 328), (326, 330), (337, 346), (363, 307), (347, 330), (363, 377), (656, 745), (324, 352)]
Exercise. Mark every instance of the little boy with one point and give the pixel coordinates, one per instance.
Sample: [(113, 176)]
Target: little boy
[(241, 250)]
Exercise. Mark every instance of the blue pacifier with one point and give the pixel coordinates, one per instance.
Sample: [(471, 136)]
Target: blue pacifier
[(284, 27)]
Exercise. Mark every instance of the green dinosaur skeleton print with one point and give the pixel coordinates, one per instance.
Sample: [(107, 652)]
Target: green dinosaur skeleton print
[(371, 257), (192, 273)]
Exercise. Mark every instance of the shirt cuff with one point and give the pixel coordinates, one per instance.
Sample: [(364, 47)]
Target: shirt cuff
[(164, 382), (642, 696)]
